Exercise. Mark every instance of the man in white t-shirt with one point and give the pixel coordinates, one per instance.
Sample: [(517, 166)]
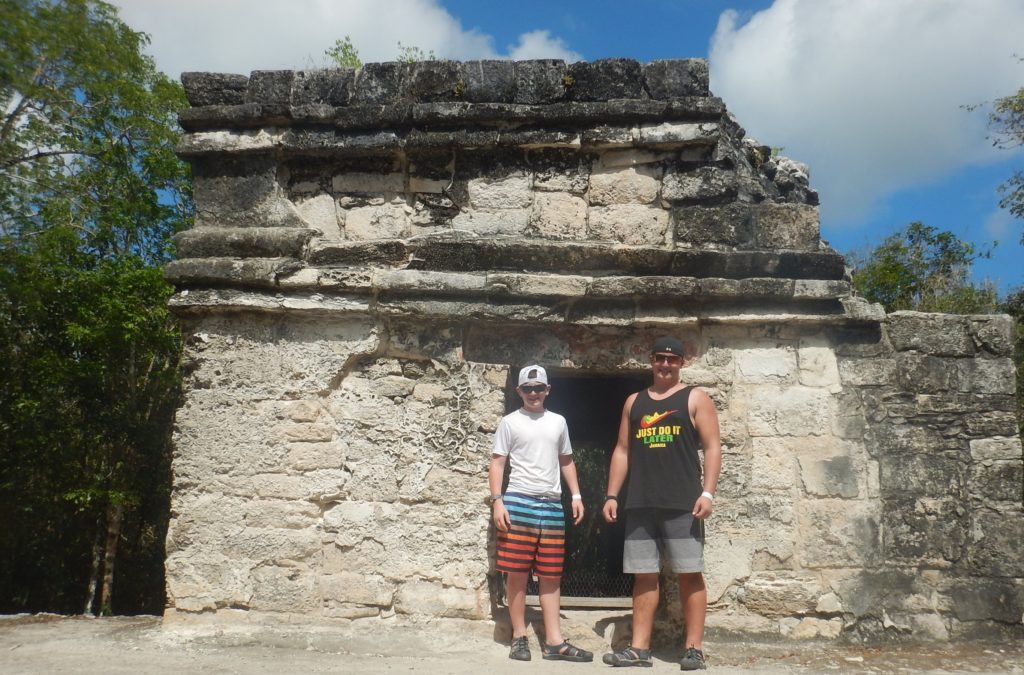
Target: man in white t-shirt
[(529, 516)]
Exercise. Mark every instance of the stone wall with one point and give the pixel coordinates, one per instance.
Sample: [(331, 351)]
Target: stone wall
[(376, 250)]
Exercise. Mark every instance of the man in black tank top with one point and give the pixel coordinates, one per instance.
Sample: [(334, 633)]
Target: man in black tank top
[(661, 433)]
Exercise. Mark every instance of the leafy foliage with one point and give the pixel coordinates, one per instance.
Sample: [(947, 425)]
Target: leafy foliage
[(1007, 124), (920, 268), (90, 194), (344, 54)]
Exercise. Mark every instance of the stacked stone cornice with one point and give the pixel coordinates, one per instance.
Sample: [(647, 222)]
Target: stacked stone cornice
[(376, 251)]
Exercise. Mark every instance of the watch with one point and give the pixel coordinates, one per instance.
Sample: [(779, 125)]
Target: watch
[(495, 498), (611, 498)]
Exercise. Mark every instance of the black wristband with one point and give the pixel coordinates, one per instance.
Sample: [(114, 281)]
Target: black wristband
[(611, 497)]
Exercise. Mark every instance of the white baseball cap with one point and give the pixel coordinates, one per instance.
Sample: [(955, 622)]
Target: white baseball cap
[(533, 374)]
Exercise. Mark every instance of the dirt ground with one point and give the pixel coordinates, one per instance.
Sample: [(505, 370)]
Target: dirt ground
[(52, 644)]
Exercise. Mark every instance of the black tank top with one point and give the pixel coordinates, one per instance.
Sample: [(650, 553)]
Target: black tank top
[(664, 458)]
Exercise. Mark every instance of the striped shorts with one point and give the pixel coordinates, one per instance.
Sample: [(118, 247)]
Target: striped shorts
[(536, 540)]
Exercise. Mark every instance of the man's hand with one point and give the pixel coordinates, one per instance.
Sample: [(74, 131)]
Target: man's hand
[(611, 510), (577, 511), (702, 508), (500, 514)]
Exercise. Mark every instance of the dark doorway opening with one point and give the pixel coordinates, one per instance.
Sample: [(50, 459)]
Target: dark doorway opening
[(592, 407)]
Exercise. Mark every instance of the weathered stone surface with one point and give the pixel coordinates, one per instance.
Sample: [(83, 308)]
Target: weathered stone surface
[(786, 226), (268, 242), (675, 78), (633, 224), (630, 185), (936, 335), (707, 184), (604, 79), (214, 88), (558, 215), (378, 250), (731, 225), (540, 81)]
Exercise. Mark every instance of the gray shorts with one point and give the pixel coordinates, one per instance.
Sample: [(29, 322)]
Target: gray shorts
[(653, 533)]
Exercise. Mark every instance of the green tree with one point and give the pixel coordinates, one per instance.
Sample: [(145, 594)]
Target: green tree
[(920, 268), (1006, 121), (90, 195)]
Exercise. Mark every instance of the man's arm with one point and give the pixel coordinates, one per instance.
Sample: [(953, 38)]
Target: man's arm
[(495, 474), (619, 464), (705, 419), (568, 467)]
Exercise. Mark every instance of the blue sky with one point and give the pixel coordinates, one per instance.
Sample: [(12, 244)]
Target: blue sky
[(868, 93)]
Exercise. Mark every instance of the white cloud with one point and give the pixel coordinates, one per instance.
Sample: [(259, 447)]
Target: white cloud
[(539, 44), (1000, 224), (869, 93), (239, 36)]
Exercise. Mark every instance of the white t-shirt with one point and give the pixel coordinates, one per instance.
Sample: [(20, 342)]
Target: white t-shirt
[(533, 443)]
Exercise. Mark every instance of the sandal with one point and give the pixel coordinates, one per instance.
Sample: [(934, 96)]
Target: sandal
[(520, 650), (566, 652), (630, 656)]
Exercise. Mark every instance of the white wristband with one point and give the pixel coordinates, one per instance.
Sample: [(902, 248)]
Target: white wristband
[(577, 497), (708, 495)]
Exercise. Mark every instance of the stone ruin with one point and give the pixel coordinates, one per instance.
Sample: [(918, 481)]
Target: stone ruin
[(375, 251)]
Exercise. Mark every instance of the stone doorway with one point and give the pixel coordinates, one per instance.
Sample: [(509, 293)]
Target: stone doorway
[(592, 406)]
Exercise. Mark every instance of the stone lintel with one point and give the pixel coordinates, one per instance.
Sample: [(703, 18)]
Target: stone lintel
[(252, 272), (249, 242), (326, 142)]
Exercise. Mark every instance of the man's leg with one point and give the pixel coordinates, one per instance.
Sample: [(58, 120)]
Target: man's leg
[(694, 598), (645, 602), (550, 608), (515, 596)]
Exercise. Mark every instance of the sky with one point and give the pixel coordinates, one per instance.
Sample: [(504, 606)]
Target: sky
[(873, 95)]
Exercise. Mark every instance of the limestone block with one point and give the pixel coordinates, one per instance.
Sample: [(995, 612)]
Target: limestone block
[(786, 226), (867, 372), (986, 376), (836, 476), (829, 604), (508, 192), (838, 533), (758, 365), (307, 432), (273, 544), (730, 224), (781, 593), (927, 532), (633, 224), (557, 215), (204, 89), (818, 368), (372, 479), (926, 374), (427, 281), (929, 474), (995, 480), (387, 221), (288, 514), (312, 456), (538, 285), (726, 563), (702, 184), (996, 423), (614, 159), (670, 134), (809, 628), (974, 599), (207, 580), (674, 78), (993, 334), (368, 183), (283, 589), (629, 185), (788, 411), (773, 465), (1008, 448), (417, 597), (356, 588), (933, 334), (321, 213), (493, 222), (490, 80)]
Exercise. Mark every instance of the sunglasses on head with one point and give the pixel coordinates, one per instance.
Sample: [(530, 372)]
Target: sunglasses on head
[(666, 358), (533, 388)]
